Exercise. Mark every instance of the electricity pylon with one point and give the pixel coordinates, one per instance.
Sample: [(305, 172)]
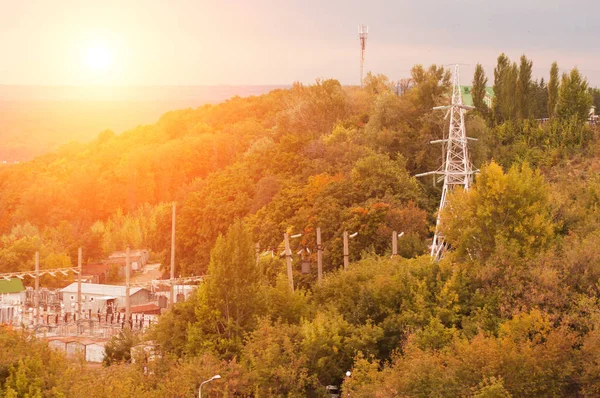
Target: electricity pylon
[(456, 168)]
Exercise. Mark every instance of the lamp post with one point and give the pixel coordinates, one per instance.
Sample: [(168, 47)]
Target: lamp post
[(348, 374), (215, 377)]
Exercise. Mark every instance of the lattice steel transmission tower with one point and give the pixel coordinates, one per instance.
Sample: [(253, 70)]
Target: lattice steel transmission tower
[(456, 168), (363, 32)]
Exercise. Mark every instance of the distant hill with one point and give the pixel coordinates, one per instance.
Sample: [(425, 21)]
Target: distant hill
[(39, 119)]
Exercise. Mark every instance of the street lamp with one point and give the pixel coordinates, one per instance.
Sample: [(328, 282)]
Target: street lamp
[(206, 381), (348, 374)]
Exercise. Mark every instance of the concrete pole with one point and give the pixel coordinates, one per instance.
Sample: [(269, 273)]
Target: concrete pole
[(288, 259), (394, 243), (127, 288), (79, 268), (346, 252), (36, 297), (172, 293), (319, 256), (257, 253)]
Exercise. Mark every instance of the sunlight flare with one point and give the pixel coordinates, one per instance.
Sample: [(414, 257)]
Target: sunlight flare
[(98, 58)]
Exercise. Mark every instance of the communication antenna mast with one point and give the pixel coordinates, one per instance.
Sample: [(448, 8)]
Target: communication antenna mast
[(363, 32), (456, 168)]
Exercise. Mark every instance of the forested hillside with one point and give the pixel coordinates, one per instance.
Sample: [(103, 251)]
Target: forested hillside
[(38, 119), (511, 310), (296, 158)]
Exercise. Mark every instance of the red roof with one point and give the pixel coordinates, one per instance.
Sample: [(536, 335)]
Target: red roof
[(95, 269), (144, 308)]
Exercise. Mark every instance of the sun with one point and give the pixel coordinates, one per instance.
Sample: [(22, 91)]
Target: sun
[(98, 58)]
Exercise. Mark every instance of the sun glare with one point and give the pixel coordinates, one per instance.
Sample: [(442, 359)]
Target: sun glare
[(98, 58)]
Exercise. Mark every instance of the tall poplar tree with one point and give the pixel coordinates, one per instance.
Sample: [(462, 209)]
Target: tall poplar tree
[(505, 85), (500, 72), (524, 89), (508, 108), (553, 90), (478, 90)]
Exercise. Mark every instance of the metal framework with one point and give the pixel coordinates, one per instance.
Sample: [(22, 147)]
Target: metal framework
[(75, 270), (363, 32), (32, 274), (456, 168), (168, 282)]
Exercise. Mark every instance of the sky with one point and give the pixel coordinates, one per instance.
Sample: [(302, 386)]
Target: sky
[(234, 42)]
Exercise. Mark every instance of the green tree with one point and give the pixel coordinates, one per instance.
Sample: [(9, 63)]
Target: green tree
[(524, 89), (430, 86), (595, 93), (553, 85), (171, 330), (118, 349), (539, 107), (273, 353), (506, 76), (500, 76), (478, 91), (574, 99), (509, 104), (230, 300)]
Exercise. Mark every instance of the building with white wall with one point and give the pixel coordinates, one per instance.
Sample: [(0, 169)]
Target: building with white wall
[(96, 297), (12, 291)]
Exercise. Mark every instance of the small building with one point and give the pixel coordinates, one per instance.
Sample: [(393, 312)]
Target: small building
[(72, 346), (146, 309), (58, 344), (12, 291), (103, 298), (101, 273), (138, 258), (94, 350)]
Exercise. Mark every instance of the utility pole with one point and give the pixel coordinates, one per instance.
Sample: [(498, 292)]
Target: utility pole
[(319, 256), (288, 259), (363, 32), (36, 297), (127, 289), (257, 253), (172, 293), (456, 169), (346, 251), (79, 268), (394, 243)]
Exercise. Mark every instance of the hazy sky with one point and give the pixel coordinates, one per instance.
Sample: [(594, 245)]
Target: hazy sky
[(278, 42)]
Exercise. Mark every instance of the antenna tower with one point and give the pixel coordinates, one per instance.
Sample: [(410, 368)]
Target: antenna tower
[(363, 32), (456, 168)]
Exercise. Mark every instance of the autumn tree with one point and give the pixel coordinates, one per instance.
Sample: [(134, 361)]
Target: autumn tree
[(509, 208)]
